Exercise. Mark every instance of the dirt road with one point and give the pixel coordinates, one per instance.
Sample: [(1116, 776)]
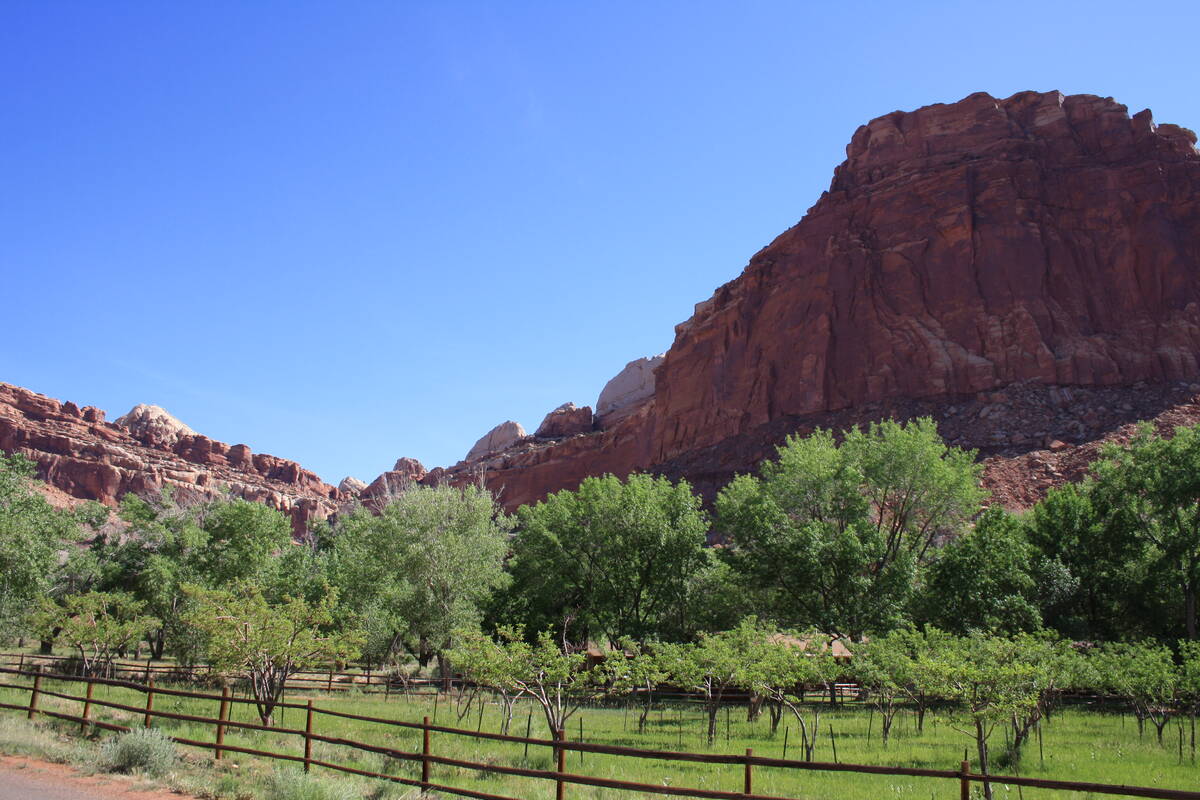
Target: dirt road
[(28, 779)]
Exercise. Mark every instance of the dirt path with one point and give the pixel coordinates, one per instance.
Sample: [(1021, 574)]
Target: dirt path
[(24, 778)]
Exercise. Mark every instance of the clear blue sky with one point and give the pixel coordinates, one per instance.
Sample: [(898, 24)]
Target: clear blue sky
[(347, 232)]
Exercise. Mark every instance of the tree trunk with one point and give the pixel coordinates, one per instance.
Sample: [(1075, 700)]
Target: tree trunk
[(776, 710), (714, 707), (754, 708), (1189, 594), (982, 748)]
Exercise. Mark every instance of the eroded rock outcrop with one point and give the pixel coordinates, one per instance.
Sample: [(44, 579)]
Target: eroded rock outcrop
[(79, 453), (566, 420), (629, 390), (351, 486), (154, 425), (961, 249), (497, 439)]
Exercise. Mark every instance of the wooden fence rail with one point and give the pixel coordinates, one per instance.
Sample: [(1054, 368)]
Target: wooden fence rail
[(427, 758)]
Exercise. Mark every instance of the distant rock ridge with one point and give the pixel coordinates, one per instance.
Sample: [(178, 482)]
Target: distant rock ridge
[(79, 453)]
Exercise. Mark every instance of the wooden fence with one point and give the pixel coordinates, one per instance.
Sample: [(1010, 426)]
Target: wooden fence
[(559, 776)]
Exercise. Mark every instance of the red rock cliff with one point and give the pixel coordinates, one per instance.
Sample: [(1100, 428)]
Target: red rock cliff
[(960, 249), (79, 453)]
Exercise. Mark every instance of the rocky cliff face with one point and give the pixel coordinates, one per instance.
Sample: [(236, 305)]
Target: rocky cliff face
[(79, 453), (1039, 240), (1025, 270)]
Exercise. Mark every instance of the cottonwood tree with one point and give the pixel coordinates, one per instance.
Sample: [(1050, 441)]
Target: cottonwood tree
[(611, 559), (422, 567), (1096, 567), (265, 641), (984, 580), (837, 532), (1151, 491), (96, 625), (31, 531)]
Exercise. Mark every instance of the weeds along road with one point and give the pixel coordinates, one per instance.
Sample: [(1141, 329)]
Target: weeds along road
[(29, 779)]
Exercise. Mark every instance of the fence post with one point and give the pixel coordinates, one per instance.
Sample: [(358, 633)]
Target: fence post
[(149, 702), (146, 679), (329, 685), (222, 715), (561, 764), (425, 754), (748, 783), (964, 781), (87, 707), (308, 729), (33, 694)]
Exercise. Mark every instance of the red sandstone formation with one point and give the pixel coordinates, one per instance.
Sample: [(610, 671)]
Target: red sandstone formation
[(1026, 271), (961, 249), (78, 453)]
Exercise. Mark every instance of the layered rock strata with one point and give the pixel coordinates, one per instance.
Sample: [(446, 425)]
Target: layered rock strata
[(1040, 240), (79, 453)]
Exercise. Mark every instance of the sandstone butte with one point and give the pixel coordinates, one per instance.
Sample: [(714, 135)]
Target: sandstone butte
[(1025, 270)]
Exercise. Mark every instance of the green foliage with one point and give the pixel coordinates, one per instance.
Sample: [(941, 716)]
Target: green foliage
[(611, 559), (837, 533), (96, 625), (1145, 673), (242, 538), (984, 580), (30, 532), (422, 567), (267, 641), (554, 678), (145, 751), (1150, 490), (292, 784)]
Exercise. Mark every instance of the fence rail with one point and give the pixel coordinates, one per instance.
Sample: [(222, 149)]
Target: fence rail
[(427, 758)]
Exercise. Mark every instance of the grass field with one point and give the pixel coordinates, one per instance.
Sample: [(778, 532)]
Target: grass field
[(1078, 744)]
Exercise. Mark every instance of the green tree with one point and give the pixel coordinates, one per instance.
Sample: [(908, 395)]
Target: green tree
[(267, 642), (885, 667), (1092, 569), (714, 665), (554, 678), (781, 665), (611, 559), (243, 538), (96, 625), (1145, 673), (837, 533), (423, 567), (984, 579), (989, 680), (31, 531), (1151, 489), (634, 667)]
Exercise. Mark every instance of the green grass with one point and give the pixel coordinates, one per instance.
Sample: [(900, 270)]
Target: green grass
[(1078, 744)]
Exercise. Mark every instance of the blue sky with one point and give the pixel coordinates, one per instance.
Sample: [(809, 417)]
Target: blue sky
[(348, 232)]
